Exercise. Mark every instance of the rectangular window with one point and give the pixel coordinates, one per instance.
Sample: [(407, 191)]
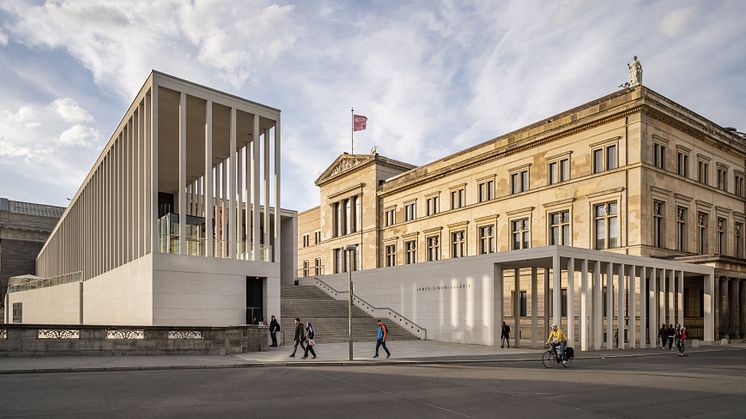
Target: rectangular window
[(559, 228), (317, 237), (391, 255), (519, 181), (486, 239), (335, 219), (563, 302), (458, 198), (390, 217), (738, 237), (433, 248), (659, 155), (682, 216), (17, 312), (559, 171), (722, 242), (702, 229), (738, 181), (340, 262), (458, 244), (433, 205), (410, 252), (605, 158), (606, 217), (306, 240), (723, 179), (317, 267), (410, 211), (519, 230), (704, 168), (522, 309), (486, 190), (682, 165), (306, 270), (659, 225)]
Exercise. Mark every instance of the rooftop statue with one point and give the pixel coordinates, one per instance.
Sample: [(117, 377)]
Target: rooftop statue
[(635, 72)]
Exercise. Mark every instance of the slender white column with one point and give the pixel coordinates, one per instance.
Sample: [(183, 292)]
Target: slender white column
[(597, 306), (671, 290), (209, 209), (516, 307), (239, 201), (247, 188), (556, 291), (662, 298), (571, 301), (709, 308), (497, 294), (255, 186), (632, 314), (182, 174), (276, 248), (546, 304), (584, 305), (148, 201), (680, 299), (232, 172), (643, 306), (620, 306), (224, 208), (266, 191), (534, 307), (610, 306), (653, 303), (138, 185)]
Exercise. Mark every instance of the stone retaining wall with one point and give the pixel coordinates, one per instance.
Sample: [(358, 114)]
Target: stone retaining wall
[(48, 340)]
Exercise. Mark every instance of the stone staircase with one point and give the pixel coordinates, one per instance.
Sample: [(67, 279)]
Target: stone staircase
[(329, 317)]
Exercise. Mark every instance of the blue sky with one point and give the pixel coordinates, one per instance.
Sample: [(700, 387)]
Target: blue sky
[(433, 77)]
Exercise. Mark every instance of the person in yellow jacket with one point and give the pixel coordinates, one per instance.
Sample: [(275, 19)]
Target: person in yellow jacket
[(557, 338)]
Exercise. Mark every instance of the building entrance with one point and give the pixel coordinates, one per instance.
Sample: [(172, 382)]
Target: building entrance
[(254, 299)]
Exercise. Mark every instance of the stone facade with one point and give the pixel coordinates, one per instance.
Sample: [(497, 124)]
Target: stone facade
[(24, 227), (632, 172)]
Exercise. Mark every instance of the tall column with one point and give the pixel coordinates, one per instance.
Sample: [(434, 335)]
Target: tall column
[(239, 200), (653, 304), (662, 298), (546, 304), (224, 208), (534, 308), (516, 307), (182, 174), (556, 290), (265, 236), (716, 306), (276, 248), (497, 296), (153, 213), (232, 188), (597, 306), (584, 305), (255, 186), (671, 299), (724, 309), (680, 298), (610, 306), (632, 313), (571, 302), (644, 297), (209, 210), (620, 306), (709, 307), (247, 189), (734, 306), (742, 312)]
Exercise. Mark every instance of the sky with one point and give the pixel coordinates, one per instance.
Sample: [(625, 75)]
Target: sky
[(433, 77)]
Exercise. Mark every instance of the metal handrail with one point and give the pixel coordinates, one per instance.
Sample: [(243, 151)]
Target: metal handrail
[(371, 307)]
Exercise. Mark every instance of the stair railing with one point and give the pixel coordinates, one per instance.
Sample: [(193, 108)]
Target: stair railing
[(386, 312)]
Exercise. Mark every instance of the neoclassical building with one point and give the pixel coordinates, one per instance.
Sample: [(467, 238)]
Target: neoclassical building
[(631, 173)]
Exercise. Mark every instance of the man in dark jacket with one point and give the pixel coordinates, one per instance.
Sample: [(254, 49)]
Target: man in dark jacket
[(274, 327), (505, 335), (299, 337)]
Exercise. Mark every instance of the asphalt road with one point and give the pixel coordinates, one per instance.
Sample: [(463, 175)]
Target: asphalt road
[(711, 384)]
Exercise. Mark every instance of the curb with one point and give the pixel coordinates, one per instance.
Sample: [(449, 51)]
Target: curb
[(357, 363)]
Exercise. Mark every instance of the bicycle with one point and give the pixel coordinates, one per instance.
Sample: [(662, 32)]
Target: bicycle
[(550, 358)]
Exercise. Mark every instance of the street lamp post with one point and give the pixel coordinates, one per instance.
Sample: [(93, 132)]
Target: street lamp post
[(350, 248)]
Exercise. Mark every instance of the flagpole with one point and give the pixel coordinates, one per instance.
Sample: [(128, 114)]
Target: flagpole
[(352, 148)]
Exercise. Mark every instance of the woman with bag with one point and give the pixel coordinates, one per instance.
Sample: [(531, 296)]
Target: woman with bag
[(311, 342)]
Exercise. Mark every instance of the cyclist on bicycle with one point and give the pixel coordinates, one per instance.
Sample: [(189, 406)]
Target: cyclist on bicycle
[(557, 338)]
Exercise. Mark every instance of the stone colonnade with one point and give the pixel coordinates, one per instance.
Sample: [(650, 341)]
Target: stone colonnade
[(603, 275), (730, 318)]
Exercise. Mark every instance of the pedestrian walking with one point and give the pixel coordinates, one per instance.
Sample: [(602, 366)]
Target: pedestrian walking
[(671, 335), (311, 342), (676, 334), (505, 335), (383, 335), (274, 327), (682, 341), (663, 334), (299, 337)]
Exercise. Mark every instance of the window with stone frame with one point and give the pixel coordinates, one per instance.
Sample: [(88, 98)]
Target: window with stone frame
[(410, 211), (659, 155), (306, 240), (703, 169), (722, 241), (390, 254), (390, 216), (682, 215), (410, 252), (682, 164), (722, 178), (519, 181), (738, 184), (17, 313), (659, 224), (738, 238), (458, 198), (458, 244), (433, 248), (559, 228), (605, 158), (318, 269), (520, 234), (306, 268), (486, 190), (702, 219), (559, 170), (317, 237), (486, 239), (433, 205), (606, 225)]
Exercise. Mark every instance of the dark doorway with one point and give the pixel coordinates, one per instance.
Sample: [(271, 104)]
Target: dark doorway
[(254, 299)]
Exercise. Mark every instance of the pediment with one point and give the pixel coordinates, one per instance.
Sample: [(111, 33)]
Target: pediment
[(343, 164)]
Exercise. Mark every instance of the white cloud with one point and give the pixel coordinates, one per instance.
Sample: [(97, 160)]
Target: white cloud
[(3, 38), (70, 111), (676, 23), (78, 135)]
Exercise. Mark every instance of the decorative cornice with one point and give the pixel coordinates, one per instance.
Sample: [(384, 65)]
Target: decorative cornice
[(606, 192), (520, 211), (559, 202), (684, 198), (344, 191), (432, 230), (489, 218), (458, 224)]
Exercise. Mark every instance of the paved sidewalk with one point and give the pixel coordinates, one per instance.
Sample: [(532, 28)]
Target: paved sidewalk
[(335, 354)]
